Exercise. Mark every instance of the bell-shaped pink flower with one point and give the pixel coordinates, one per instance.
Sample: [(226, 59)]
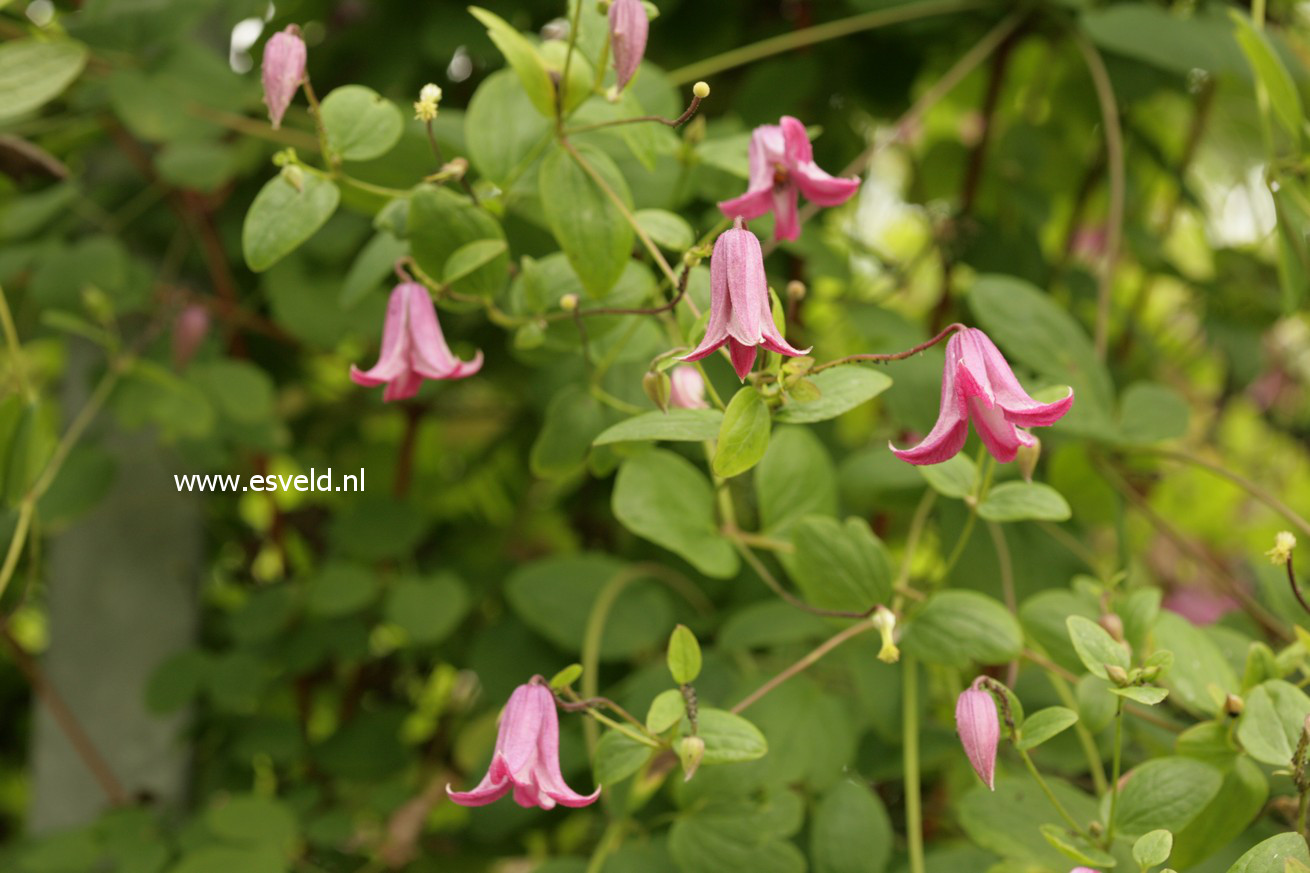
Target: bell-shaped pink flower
[(978, 384), (283, 71), (629, 26), (740, 312), (979, 729), (413, 348), (781, 166), (687, 389), (526, 758)]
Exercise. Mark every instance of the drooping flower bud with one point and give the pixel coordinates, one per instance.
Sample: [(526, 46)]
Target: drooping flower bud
[(629, 27), (688, 389), (657, 388), (283, 71), (1027, 457), (885, 620), (979, 728), (690, 751), (189, 329)]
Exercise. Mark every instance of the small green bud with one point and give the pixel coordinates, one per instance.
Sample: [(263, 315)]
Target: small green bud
[(569, 302), (1118, 675), (658, 387), (294, 176), (1234, 705), (691, 750)]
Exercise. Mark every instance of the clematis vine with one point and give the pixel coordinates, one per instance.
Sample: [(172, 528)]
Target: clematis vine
[(741, 314), (526, 756), (413, 347), (283, 70), (629, 27), (782, 167), (979, 728), (978, 385)]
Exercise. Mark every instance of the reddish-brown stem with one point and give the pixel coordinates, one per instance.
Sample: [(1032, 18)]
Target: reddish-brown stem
[(408, 442), (652, 310), (804, 663), (1296, 589), (893, 356), (658, 119)]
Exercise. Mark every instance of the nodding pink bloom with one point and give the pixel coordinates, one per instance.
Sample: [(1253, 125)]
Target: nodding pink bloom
[(740, 312), (1199, 606), (629, 26), (978, 384), (1084, 870), (979, 729), (284, 70), (782, 165), (526, 758), (413, 348), (189, 329), (687, 388)]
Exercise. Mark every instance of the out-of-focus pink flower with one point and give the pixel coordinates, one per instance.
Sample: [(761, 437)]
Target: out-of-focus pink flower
[(413, 348), (189, 329), (980, 730), (1199, 606), (740, 312), (978, 384), (283, 71), (629, 26), (1088, 243), (1084, 870), (688, 388), (526, 757), (781, 167)]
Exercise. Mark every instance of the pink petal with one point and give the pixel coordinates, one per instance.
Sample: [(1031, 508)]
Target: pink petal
[(403, 387), (493, 786), (547, 775), (786, 223), (748, 288), (1019, 407), (629, 28), (282, 71), (796, 142), (979, 729), (687, 389), (765, 152), (1000, 436), (752, 204), (818, 187), (430, 356), (948, 435), (743, 357), (716, 332)]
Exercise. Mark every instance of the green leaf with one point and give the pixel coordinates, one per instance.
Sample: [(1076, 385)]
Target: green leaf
[(676, 425), (1171, 41), (744, 434), (1095, 647), (669, 230), (1033, 330), (1007, 821), (32, 73), (958, 628), (1272, 721), (956, 477), (573, 419), (523, 57), (371, 267), (666, 710), (469, 258), (618, 756), (340, 589), (428, 610), (225, 859), (841, 390), (1075, 847), (664, 498), (838, 565), (1044, 724), (588, 226), (1199, 665), (850, 831), (1148, 695), (729, 738), (1152, 849), (1272, 855), (1165, 793), (501, 130), (442, 223), (739, 836), (1150, 412), (566, 677), (1024, 501), (251, 819), (684, 656), (1239, 801), (281, 218), (1270, 72), (795, 478), (361, 124)]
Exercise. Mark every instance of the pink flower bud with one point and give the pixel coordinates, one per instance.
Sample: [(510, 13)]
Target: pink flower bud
[(979, 728), (688, 391), (629, 26), (284, 70), (189, 329)]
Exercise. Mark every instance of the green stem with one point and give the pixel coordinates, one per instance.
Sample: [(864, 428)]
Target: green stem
[(591, 640), (561, 96), (609, 841), (80, 423), (1095, 765), (15, 348), (1118, 756), (910, 737), (807, 36), (1050, 795), (25, 510)]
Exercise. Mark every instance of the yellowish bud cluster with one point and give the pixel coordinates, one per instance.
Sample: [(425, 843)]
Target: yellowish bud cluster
[(425, 108), (1284, 543)]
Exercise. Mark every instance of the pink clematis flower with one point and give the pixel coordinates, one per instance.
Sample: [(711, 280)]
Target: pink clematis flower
[(781, 166), (526, 758), (978, 384), (979, 728), (1199, 606), (687, 390), (1084, 870), (740, 312), (283, 71), (413, 348), (629, 26)]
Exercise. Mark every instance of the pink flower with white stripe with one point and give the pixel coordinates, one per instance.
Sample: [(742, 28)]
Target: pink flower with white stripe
[(978, 385), (526, 758), (782, 167), (413, 347), (741, 314)]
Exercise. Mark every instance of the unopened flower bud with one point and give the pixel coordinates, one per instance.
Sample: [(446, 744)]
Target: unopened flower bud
[(429, 98), (629, 27), (1113, 624), (687, 388), (189, 329), (885, 621), (796, 290), (657, 387), (701, 90), (568, 302), (1284, 543), (979, 728), (1118, 675), (1027, 457), (283, 70), (691, 750), (294, 176), (1234, 705)]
